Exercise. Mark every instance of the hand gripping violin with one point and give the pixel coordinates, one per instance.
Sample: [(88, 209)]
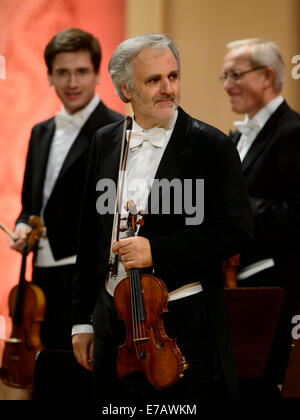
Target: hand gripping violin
[(141, 300)]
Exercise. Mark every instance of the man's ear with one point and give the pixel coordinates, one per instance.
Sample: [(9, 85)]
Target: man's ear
[(126, 92), (269, 76), (50, 80)]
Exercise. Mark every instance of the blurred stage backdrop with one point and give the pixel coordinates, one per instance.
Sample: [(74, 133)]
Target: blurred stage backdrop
[(26, 98)]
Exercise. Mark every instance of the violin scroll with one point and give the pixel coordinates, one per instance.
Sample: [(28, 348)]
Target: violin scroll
[(37, 230)]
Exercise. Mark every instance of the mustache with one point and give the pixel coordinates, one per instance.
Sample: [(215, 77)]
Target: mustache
[(162, 98)]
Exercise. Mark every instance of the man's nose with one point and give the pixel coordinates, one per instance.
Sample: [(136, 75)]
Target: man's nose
[(165, 86), (73, 80), (228, 83)]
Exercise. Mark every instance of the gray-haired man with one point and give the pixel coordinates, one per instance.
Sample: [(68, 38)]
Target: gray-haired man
[(146, 73)]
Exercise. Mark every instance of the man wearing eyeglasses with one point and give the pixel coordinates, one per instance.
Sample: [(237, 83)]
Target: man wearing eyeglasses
[(268, 141)]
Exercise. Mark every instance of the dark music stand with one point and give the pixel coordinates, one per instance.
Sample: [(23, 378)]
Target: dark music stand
[(253, 317)]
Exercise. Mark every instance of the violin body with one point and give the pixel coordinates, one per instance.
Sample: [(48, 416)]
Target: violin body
[(24, 344), (147, 348), (27, 307)]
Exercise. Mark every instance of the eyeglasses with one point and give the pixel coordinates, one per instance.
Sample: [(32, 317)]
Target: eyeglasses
[(235, 75)]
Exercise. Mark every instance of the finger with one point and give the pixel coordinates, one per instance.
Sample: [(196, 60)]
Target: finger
[(17, 245), (121, 247), (115, 247), (90, 359), (82, 358), (128, 265)]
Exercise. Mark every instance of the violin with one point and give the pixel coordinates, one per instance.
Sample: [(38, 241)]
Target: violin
[(27, 307), (141, 300)]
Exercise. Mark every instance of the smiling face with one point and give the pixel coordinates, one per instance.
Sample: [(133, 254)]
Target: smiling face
[(250, 92), (156, 93), (74, 79)]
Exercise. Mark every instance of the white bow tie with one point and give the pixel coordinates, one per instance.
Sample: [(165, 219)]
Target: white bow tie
[(246, 126), (156, 136), (62, 119)]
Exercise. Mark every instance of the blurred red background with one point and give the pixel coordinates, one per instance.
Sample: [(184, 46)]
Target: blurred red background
[(26, 98)]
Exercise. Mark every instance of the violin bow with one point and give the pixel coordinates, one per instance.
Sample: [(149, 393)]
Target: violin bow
[(122, 164), (10, 234)]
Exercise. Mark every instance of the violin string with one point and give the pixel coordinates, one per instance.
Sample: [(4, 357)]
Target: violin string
[(138, 312), (141, 313), (136, 320), (133, 306), (140, 320), (142, 317), (133, 298)]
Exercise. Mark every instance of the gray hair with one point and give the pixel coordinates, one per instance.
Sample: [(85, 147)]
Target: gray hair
[(119, 66), (264, 53)]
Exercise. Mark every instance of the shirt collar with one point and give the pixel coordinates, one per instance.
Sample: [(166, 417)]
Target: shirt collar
[(85, 112), (169, 129), (265, 113)]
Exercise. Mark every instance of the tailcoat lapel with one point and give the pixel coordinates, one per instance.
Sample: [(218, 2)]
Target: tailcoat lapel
[(235, 136), (263, 139), (41, 153), (82, 141)]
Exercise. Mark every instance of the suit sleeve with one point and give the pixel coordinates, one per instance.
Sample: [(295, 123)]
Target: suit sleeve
[(86, 281)]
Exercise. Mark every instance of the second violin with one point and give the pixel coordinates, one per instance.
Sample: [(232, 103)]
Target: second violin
[(27, 306)]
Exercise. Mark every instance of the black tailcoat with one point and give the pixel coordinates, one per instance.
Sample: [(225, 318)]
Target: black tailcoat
[(62, 209), (181, 253)]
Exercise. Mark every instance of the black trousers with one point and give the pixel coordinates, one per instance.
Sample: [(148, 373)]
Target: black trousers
[(57, 285), (58, 376), (188, 321)]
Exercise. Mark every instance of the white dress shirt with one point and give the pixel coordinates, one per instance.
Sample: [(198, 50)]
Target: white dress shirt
[(250, 127), (67, 129)]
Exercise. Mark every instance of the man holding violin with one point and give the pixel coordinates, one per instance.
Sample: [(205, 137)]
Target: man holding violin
[(52, 189), (56, 160), (163, 143)]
